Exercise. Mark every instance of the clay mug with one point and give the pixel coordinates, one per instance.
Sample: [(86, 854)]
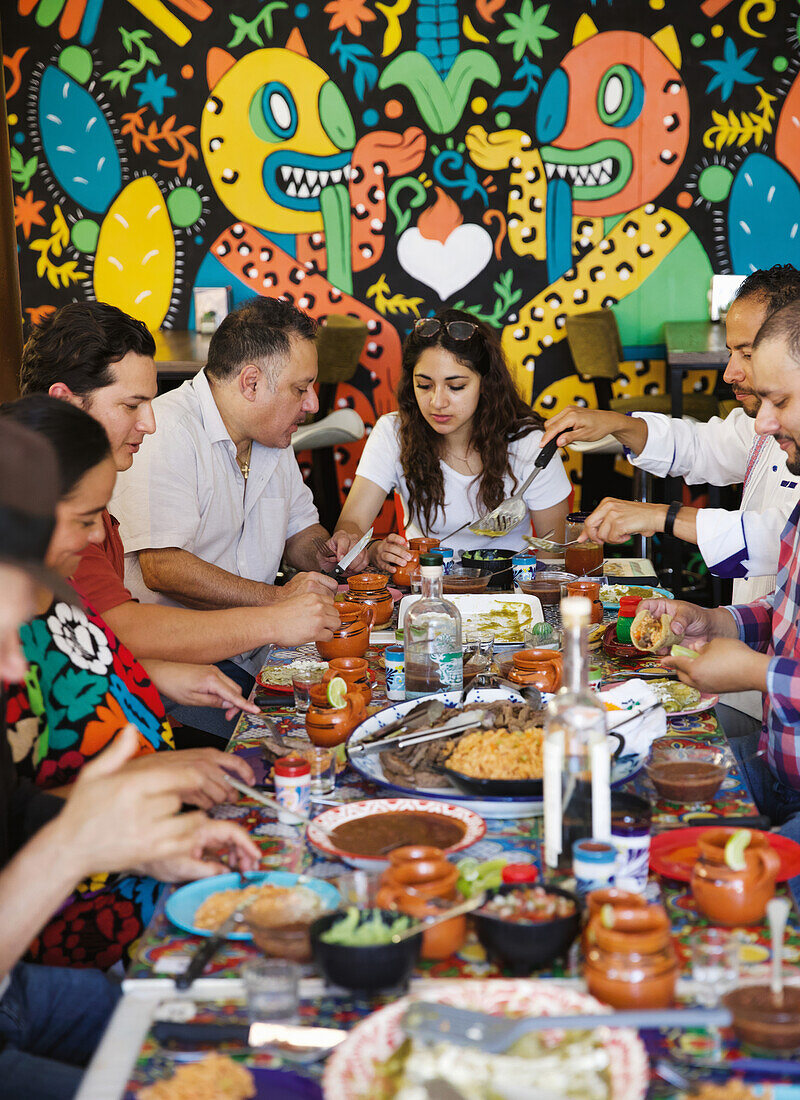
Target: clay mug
[(371, 590), (329, 726), (633, 963), (403, 573), (591, 591), (410, 884), (352, 637), (540, 667), (730, 897), (354, 671), (422, 545), (610, 895)]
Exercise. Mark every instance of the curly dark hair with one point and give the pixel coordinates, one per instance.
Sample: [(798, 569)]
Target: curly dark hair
[(500, 418), (777, 286)]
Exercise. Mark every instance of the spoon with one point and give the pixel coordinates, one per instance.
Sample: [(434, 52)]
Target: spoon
[(777, 912)]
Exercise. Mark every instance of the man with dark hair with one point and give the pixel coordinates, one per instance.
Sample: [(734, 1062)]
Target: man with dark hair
[(756, 646), (741, 544), (215, 499), (98, 358)]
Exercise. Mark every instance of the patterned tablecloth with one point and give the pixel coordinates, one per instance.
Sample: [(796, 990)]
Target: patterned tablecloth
[(164, 950)]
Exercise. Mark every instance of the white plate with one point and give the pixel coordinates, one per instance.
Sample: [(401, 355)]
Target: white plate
[(481, 603), (351, 1071), (320, 827), (370, 766)]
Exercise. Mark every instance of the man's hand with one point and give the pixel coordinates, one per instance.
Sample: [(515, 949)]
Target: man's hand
[(199, 686), (698, 625), (725, 664), (573, 425), (301, 583), (390, 552), (306, 617), (338, 545), (616, 520), (205, 842), (212, 766)]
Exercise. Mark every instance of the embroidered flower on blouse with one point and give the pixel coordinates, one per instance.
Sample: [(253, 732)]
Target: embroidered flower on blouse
[(84, 643)]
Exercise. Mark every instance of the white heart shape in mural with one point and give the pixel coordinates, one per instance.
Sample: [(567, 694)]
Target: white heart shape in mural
[(448, 266)]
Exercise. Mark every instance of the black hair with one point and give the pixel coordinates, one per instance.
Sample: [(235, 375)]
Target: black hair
[(776, 286), (79, 441), (78, 344), (259, 328)]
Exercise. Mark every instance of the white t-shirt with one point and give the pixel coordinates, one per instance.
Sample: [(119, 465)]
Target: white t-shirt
[(380, 463), (185, 489)]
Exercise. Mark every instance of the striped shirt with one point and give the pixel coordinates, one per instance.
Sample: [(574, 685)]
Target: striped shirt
[(772, 625)]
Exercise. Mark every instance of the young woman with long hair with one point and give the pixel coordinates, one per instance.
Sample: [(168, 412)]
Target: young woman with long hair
[(461, 441)]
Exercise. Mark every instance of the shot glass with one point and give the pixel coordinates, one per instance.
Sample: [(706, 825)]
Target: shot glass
[(323, 769), (715, 964), (273, 990), (358, 888), (416, 583), (478, 653), (302, 680)]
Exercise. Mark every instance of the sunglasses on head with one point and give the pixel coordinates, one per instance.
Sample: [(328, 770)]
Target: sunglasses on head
[(428, 327)]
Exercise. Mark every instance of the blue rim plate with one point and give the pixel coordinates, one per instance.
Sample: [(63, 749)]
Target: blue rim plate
[(614, 606), (184, 903)]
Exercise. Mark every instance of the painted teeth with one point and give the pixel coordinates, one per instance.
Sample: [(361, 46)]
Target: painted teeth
[(583, 175), (307, 183)]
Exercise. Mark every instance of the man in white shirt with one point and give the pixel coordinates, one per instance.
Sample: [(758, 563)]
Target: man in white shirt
[(215, 498), (743, 544)]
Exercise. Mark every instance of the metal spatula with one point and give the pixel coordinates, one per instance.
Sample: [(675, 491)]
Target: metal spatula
[(510, 514)]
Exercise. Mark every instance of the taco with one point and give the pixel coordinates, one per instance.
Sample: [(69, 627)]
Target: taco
[(651, 634)]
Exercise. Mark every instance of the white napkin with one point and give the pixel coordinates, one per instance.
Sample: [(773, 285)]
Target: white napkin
[(633, 696)]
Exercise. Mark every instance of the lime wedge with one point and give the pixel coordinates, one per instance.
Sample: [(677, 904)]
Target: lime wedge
[(337, 693), (607, 916), (683, 651), (468, 868), (734, 849), (340, 752)]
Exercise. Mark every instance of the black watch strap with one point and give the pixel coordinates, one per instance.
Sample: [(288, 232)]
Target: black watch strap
[(672, 515)]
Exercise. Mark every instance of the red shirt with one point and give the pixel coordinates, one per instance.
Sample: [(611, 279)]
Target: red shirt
[(100, 577)]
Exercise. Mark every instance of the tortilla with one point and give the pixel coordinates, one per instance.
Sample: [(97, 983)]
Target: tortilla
[(650, 634)]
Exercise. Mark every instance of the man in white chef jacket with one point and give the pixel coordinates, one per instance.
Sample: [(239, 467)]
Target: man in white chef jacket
[(741, 544)]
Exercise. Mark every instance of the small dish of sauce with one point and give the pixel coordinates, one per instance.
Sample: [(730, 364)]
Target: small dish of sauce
[(380, 834), (689, 774), (763, 1024)]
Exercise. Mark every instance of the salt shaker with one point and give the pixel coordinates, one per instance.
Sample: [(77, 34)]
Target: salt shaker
[(293, 788)]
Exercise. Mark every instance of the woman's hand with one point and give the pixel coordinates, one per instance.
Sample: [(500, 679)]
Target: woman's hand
[(199, 686), (390, 552), (210, 770), (204, 842)]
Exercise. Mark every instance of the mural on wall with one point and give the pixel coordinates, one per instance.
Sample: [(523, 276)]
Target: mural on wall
[(523, 160)]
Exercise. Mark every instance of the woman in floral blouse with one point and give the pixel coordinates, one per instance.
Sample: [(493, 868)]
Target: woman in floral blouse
[(83, 686)]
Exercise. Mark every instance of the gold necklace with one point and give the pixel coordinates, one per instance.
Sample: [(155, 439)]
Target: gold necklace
[(244, 463)]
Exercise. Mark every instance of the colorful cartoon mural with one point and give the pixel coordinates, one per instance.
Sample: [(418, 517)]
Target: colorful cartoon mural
[(520, 159)]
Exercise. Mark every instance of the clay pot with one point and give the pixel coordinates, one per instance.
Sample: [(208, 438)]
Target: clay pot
[(354, 671), (633, 964), (730, 897), (370, 589), (422, 545), (408, 884), (540, 667), (402, 574), (330, 726), (352, 637)]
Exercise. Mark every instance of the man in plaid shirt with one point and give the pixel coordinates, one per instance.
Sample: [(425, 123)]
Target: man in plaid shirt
[(757, 645)]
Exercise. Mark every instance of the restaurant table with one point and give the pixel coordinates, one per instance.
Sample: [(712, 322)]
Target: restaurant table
[(164, 950), (692, 345)]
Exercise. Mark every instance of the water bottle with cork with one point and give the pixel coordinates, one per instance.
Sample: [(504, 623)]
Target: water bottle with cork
[(577, 780), (432, 637)]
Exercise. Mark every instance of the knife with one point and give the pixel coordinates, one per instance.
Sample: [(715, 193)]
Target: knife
[(206, 951), (352, 554), (294, 1041)]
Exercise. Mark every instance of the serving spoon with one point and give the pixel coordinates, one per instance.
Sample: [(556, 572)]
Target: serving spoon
[(777, 912)]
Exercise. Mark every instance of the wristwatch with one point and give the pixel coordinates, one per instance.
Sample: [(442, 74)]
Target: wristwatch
[(672, 515)]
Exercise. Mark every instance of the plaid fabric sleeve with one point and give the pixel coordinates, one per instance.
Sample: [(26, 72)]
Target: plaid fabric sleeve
[(754, 621), (783, 689)]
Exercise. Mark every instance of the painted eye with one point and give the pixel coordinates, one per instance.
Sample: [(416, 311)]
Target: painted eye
[(620, 97), (273, 114)]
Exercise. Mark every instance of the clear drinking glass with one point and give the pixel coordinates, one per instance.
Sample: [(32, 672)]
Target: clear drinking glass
[(323, 769), (273, 990), (478, 653), (358, 888), (416, 583), (715, 964), (302, 679)]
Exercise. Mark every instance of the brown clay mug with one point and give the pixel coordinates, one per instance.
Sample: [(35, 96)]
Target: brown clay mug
[(371, 590), (403, 573), (540, 667), (591, 591), (352, 637), (633, 963), (730, 897), (410, 884), (328, 726), (354, 672), (422, 545)]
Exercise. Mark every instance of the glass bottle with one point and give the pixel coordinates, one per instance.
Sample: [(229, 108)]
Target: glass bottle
[(577, 786), (432, 637)]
